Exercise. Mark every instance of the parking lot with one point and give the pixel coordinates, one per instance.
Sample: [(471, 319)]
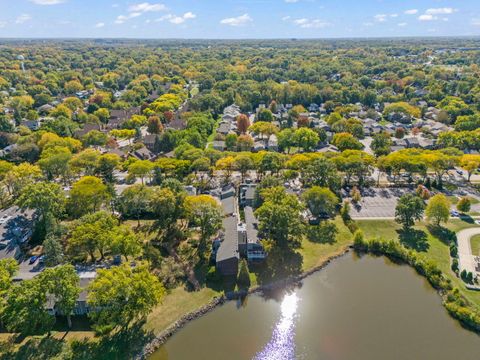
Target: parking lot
[(377, 203)]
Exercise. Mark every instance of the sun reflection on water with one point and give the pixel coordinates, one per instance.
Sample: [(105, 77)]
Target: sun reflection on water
[(282, 343)]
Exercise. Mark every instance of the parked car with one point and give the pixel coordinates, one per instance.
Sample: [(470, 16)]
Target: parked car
[(33, 259), (454, 213)]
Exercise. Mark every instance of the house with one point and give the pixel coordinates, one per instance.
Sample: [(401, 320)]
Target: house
[(219, 145), (272, 143), (247, 194), (143, 154), (119, 116), (224, 128), (254, 250), (227, 254), (149, 141), (313, 107), (86, 129), (81, 305), (31, 124), (328, 148)]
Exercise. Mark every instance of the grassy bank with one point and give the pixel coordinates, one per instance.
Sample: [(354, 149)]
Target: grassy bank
[(433, 245)]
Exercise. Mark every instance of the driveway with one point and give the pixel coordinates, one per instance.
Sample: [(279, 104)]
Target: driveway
[(467, 261)]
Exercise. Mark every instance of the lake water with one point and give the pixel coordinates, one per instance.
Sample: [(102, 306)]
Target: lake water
[(356, 308)]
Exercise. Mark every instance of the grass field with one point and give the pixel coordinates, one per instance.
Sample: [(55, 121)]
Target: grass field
[(433, 246), (475, 244)]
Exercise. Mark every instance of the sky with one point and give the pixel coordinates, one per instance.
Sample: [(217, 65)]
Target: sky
[(225, 19)]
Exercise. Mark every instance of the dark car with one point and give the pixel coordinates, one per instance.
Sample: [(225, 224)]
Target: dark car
[(33, 259)]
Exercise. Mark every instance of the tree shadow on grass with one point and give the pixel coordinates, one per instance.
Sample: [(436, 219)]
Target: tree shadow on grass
[(443, 234), (33, 349), (121, 345), (414, 239), (280, 264), (467, 218)]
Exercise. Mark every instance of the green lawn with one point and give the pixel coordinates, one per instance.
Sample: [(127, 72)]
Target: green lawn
[(314, 254), (475, 243), (434, 247)]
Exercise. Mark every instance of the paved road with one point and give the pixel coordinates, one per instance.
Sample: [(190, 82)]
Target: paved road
[(465, 257)]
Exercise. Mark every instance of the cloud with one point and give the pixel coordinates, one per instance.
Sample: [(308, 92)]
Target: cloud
[(122, 18), (286, 18), (237, 21), (440, 11), (291, 1), (147, 7), (23, 18), (305, 23), (411, 12), (47, 2), (99, 25), (3, 24), (427, 17), (380, 17), (403, 24), (476, 22), (177, 20)]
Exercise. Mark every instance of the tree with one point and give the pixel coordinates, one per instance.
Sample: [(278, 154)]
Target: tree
[(346, 141), (243, 163), (381, 144), (8, 268), (46, 198), (135, 201), (63, 283), (140, 169), (94, 138), (91, 233), (286, 140), (204, 211), (154, 125), (243, 123), (470, 163), (438, 209), (122, 294), (306, 138), (321, 172), (409, 209), (264, 128), (54, 161), (227, 165), (105, 166), (85, 161), (126, 242), (279, 217), (464, 204), (231, 142), (245, 142), (102, 114), (53, 251), (320, 201), (87, 195), (25, 311), (265, 115), (20, 176)]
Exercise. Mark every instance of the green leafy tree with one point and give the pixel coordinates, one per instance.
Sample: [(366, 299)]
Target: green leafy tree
[(25, 311), (279, 217), (321, 172), (122, 295), (438, 209), (305, 138), (320, 201), (204, 211), (135, 201), (409, 209), (53, 251), (63, 284), (87, 195), (464, 204), (381, 144)]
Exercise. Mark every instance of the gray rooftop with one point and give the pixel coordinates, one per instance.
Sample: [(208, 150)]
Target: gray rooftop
[(229, 246), (251, 224)]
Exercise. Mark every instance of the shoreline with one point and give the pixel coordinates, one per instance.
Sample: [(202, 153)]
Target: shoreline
[(163, 336)]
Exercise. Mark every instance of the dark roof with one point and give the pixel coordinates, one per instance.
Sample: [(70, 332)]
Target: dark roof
[(124, 114), (143, 154), (223, 128), (251, 224), (229, 246)]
